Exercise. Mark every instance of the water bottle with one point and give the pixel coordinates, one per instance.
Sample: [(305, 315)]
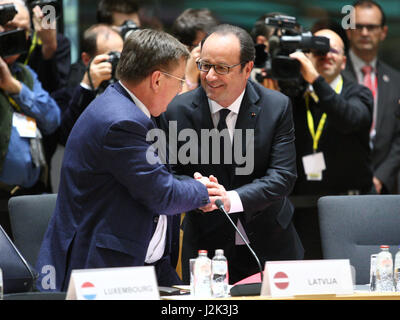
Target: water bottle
[(397, 271), (202, 275), (384, 270), (372, 273), (219, 275)]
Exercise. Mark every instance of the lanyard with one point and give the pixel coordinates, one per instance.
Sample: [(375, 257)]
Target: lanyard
[(310, 121), (35, 41)]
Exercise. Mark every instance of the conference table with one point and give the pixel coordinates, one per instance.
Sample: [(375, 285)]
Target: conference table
[(361, 292)]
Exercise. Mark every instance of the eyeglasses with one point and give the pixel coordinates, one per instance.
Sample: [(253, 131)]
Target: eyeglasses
[(370, 27), (220, 69), (175, 77)]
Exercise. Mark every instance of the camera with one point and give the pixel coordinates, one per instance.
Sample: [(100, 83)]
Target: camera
[(114, 59), (127, 28), (276, 63), (42, 3), (12, 42)]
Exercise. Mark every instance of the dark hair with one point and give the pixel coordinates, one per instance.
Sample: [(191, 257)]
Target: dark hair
[(262, 29), (89, 38), (105, 9), (247, 50), (190, 21), (148, 50), (370, 4)]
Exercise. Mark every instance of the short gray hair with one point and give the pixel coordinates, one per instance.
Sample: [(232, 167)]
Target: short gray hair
[(148, 50)]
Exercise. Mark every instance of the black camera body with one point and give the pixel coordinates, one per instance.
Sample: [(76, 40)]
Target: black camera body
[(12, 42), (127, 28), (42, 3), (277, 64), (114, 59)]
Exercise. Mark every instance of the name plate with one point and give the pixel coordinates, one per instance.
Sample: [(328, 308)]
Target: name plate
[(307, 277), (130, 283)]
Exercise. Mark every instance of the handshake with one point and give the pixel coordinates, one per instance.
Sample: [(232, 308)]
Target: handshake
[(215, 191)]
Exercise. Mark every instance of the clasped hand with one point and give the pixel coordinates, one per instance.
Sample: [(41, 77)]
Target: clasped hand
[(215, 191)]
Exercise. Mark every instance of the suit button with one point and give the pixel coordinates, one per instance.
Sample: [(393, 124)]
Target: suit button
[(155, 220)]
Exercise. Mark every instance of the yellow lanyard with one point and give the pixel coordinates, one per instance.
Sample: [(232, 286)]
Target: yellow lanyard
[(310, 121), (35, 41)]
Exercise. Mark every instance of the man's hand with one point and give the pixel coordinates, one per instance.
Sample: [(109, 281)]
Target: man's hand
[(215, 191), (47, 33), (192, 73), (377, 184), (7, 82), (307, 69), (100, 70)]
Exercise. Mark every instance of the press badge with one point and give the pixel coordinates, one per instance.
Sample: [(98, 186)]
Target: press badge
[(26, 126), (313, 165)]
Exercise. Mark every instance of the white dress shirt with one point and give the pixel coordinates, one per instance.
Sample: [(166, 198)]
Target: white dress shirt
[(236, 203), (157, 243)]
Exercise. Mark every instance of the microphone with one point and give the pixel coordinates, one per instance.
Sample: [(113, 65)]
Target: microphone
[(243, 289)]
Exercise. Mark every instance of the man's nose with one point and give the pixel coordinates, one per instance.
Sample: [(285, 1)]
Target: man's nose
[(211, 74)]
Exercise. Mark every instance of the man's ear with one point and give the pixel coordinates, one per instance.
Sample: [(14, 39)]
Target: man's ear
[(85, 58), (384, 32), (155, 80)]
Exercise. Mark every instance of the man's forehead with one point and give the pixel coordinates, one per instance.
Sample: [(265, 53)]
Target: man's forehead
[(221, 46)]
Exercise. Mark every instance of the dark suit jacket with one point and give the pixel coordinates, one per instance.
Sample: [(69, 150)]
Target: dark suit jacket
[(110, 194), (267, 211), (344, 140), (386, 147)]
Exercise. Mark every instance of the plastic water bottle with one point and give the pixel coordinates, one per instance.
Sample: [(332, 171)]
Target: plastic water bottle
[(384, 270), (372, 274), (219, 274), (397, 271), (202, 275)]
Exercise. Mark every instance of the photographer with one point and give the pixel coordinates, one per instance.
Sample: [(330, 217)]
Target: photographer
[(49, 52), (332, 120), (26, 113), (91, 75), (190, 28), (260, 33), (116, 12)]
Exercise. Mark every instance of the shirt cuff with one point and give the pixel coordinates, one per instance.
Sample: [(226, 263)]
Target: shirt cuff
[(85, 86), (236, 203)]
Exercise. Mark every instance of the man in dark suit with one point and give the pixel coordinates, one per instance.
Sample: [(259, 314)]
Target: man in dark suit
[(332, 121), (254, 191), (114, 206), (364, 67)]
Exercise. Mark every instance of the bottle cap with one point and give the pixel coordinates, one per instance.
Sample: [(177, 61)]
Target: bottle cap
[(384, 247), (202, 252), (219, 252)]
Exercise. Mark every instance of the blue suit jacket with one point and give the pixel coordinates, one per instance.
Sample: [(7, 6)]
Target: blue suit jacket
[(109, 194)]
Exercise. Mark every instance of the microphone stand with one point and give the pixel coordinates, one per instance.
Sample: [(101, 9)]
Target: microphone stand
[(253, 288)]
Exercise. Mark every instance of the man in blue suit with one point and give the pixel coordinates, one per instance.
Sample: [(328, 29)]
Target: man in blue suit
[(114, 207)]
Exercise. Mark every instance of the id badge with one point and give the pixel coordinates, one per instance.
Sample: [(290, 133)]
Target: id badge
[(26, 126), (313, 165)]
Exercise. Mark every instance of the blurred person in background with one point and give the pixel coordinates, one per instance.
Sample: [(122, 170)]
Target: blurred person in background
[(190, 28)]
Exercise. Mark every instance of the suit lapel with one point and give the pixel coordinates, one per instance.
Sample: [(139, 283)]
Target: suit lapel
[(246, 120), (349, 71), (383, 90), (201, 112)]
